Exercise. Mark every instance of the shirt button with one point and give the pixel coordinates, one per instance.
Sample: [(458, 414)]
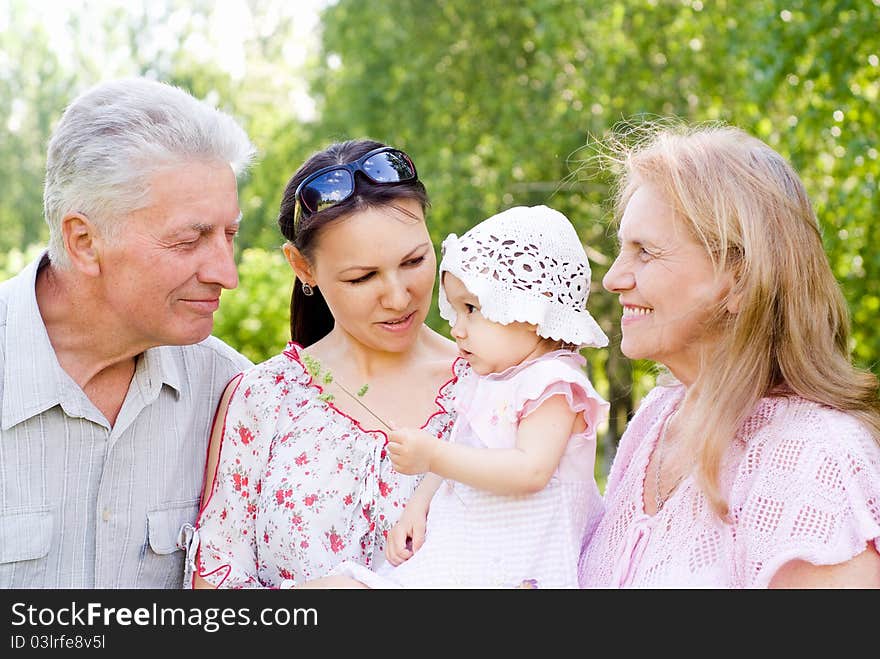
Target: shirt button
[(106, 515)]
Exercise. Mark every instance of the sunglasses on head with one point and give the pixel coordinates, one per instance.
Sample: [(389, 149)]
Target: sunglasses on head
[(331, 185)]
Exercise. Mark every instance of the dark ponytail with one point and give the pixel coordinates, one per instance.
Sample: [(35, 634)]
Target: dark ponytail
[(310, 317)]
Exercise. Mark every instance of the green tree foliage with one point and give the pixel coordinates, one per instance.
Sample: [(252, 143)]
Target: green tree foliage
[(13, 261), (32, 89)]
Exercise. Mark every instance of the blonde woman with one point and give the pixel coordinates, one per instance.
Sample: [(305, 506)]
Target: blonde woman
[(755, 461)]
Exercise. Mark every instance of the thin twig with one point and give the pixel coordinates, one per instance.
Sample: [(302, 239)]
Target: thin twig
[(362, 404), (319, 374)]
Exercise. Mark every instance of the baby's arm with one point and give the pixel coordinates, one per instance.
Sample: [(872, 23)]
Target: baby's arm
[(408, 534), (527, 468)]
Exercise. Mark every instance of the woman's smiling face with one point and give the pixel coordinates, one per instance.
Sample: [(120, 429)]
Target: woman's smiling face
[(667, 286)]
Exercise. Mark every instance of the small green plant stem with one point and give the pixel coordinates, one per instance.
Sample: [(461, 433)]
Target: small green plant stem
[(319, 374), (361, 403)]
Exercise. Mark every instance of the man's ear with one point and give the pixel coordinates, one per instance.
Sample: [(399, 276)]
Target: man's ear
[(82, 244), (299, 263)]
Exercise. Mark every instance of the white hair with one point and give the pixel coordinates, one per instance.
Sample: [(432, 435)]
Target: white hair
[(115, 136)]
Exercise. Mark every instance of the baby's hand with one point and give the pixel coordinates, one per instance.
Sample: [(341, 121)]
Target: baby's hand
[(408, 535), (411, 450), (400, 545)]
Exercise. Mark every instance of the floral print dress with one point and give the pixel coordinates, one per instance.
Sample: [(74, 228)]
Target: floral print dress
[(300, 486)]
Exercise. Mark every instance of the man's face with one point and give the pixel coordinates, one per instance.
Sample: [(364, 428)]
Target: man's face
[(163, 273)]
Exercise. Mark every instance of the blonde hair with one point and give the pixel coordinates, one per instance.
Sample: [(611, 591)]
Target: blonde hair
[(748, 208)]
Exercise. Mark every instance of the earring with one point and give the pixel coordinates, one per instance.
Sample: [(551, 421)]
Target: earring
[(308, 291)]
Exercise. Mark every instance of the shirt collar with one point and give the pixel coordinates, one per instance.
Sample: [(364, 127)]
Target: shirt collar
[(160, 365), (33, 380)]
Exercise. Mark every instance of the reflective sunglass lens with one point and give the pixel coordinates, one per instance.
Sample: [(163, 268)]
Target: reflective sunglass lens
[(388, 167), (328, 189)]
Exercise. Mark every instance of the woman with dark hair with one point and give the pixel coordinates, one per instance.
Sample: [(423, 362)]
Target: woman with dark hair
[(298, 478)]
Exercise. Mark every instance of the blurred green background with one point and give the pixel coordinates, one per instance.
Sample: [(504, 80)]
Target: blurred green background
[(495, 101)]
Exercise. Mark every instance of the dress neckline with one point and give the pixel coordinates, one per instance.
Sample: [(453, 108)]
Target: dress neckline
[(661, 424), (565, 355), (294, 349)]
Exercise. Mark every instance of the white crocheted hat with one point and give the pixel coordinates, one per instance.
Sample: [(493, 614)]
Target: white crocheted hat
[(525, 264)]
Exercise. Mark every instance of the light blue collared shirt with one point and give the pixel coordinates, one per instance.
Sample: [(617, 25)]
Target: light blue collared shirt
[(84, 504)]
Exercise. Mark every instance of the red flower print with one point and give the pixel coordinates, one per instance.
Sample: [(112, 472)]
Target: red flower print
[(279, 378), (301, 460), (348, 499), (304, 544), (384, 488), (245, 435), (236, 482), (309, 500), (336, 544), (279, 496)]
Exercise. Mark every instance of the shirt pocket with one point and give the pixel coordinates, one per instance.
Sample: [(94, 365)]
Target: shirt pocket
[(25, 538), (164, 525), (165, 564)]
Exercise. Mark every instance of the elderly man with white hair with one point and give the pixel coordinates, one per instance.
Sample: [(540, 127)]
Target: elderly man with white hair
[(109, 377)]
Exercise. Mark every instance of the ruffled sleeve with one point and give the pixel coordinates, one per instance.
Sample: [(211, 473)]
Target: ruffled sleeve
[(808, 489), (492, 406), (546, 379), (226, 528)]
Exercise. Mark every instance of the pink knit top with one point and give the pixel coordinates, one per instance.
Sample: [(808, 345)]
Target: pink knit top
[(802, 481)]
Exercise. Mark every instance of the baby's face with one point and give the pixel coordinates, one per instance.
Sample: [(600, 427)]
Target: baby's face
[(488, 346)]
